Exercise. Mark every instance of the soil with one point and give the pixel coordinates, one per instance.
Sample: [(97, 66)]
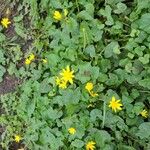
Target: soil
[(10, 82), (8, 85), (16, 146)]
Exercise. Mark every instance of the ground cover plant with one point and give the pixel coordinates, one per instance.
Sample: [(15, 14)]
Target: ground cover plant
[(75, 74)]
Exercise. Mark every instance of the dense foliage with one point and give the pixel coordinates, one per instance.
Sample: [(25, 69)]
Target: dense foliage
[(84, 74)]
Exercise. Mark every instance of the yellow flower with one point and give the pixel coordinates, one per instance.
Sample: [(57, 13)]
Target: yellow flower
[(57, 80), (17, 138), (144, 113), (90, 105), (90, 145), (31, 57), (65, 12), (57, 15), (27, 61), (44, 61), (89, 86), (61, 83), (5, 22), (72, 130), (67, 75), (115, 104), (93, 94)]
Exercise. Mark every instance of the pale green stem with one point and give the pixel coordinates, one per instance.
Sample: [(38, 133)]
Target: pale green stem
[(145, 91), (77, 5), (104, 114), (84, 38)]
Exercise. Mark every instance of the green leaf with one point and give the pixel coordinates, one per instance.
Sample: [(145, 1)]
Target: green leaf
[(20, 30), (112, 2), (138, 106), (103, 77), (2, 58), (71, 54), (90, 50), (102, 137), (112, 80), (135, 93), (71, 109), (70, 97), (137, 67), (18, 18), (107, 13), (44, 86), (44, 4), (51, 113), (86, 72), (130, 55), (53, 59), (85, 15), (56, 4), (12, 68), (47, 138), (77, 143), (90, 9), (145, 59), (144, 130), (116, 49), (110, 48), (95, 113), (145, 83), (2, 71), (30, 107), (128, 67), (121, 7), (105, 65), (139, 50), (133, 79), (144, 22), (126, 99), (95, 72), (2, 37), (125, 147)]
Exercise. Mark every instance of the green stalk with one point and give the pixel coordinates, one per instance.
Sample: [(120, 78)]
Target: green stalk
[(104, 114), (77, 5), (84, 38)]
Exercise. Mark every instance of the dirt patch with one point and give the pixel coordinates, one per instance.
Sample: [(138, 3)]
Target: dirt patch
[(3, 4), (1, 130), (8, 9), (26, 46), (16, 146), (10, 32), (8, 84)]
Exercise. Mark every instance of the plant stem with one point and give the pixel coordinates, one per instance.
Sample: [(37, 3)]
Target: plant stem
[(77, 5), (104, 114), (84, 38)]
